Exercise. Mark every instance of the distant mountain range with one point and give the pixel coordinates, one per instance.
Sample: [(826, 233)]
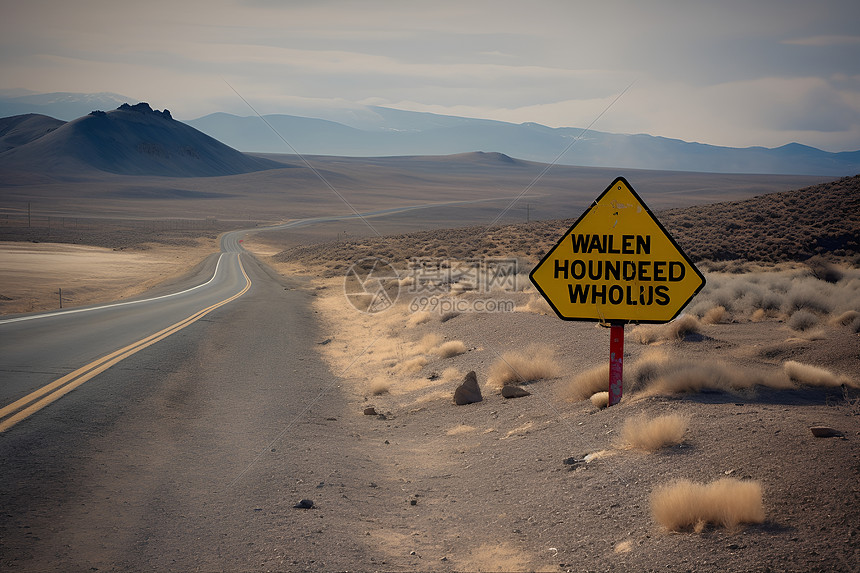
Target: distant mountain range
[(61, 105), (131, 140), (384, 132), (372, 131)]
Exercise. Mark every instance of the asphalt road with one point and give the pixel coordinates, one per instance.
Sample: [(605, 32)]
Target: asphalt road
[(187, 455), (177, 431)]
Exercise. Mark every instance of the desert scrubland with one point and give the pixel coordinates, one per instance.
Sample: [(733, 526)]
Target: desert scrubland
[(709, 463)]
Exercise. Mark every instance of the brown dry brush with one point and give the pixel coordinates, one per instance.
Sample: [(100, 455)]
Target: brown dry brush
[(685, 505)]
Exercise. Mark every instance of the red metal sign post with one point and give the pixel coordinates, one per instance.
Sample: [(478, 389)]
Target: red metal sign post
[(616, 361)]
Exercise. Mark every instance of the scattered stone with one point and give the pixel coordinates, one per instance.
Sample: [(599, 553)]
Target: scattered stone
[(305, 504), (413, 502), (468, 392), (825, 432), (370, 411), (324, 342), (573, 462), (514, 392)]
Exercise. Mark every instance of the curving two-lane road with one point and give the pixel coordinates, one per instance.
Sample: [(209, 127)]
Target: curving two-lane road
[(44, 356)]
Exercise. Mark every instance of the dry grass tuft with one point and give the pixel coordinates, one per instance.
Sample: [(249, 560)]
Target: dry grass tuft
[(586, 384), (675, 330), (685, 505), (808, 375), (419, 317), (429, 342), (714, 315), (645, 370), (451, 348), (600, 399), (652, 434), (412, 365), (379, 386), (537, 305), (845, 319), (535, 363)]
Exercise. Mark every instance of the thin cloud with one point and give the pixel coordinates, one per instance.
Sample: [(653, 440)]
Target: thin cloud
[(824, 41)]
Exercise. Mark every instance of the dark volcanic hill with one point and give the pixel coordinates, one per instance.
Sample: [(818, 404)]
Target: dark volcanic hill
[(22, 129), (130, 140)]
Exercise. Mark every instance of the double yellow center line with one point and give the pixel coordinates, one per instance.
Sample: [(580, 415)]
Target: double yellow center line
[(35, 401)]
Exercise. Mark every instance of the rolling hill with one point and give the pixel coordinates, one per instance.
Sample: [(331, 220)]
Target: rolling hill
[(386, 132), (131, 140), (22, 129)]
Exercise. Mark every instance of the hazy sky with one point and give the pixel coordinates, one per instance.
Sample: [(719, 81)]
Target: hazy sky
[(724, 72)]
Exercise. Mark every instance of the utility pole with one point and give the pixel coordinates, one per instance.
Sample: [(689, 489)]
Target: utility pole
[(61, 297)]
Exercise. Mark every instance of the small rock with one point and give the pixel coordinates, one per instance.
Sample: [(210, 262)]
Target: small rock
[(825, 432), (411, 553), (413, 502), (370, 411), (514, 392), (305, 504), (468, 392)]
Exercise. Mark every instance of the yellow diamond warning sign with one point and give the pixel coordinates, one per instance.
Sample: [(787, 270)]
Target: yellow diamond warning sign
[(617, 264)]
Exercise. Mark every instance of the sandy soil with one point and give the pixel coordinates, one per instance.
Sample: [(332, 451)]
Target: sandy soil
[(488, 483), (33, 273)]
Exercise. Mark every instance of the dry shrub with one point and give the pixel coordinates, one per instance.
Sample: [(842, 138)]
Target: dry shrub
[(537, 305), (535, 363), (379, 386), (600, 399), (451, 348), (684, 505), (412, 365), (758, 315), (656, 373), (802, 320), (645, 370), (419, 317), (808, 375), (714, 315), (845, 319), (652, 434), (675, 330), (429, 342), (586, 384)]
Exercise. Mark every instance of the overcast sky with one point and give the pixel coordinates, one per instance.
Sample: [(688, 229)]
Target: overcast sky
[(725, 72)]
